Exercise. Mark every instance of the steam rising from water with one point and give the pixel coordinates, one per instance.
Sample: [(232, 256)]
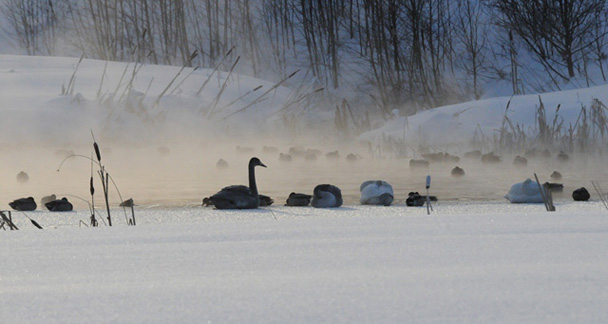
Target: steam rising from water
[(181, 173)]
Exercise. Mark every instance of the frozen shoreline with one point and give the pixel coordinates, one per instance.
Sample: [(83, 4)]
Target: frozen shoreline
[(190, 214), (489, 262)]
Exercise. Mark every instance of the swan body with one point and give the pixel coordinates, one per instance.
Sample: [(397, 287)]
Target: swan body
[(221, 164), (22, 177), (285, 157), (524, 192), (239, 196), (457, 172), (127, 203), (490, 158), (298, 199), (23, 204), (326, 196), (47, 199), (414, 199), (376, 192), (265, 201), (59, 205), (556, 175), (419, 163), (335, 155), (553, 187)]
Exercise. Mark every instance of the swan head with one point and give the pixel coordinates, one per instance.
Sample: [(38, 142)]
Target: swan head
[(256, 162), (386, 199)]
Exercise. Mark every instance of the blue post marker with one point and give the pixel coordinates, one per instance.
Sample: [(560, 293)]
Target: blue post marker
[(428, 200)]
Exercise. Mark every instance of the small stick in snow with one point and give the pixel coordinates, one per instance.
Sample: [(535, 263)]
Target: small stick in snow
[(428, 199)]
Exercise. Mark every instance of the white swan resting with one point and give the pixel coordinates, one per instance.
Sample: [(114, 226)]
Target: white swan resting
[(326, 196), (524, 192), (376, 192)]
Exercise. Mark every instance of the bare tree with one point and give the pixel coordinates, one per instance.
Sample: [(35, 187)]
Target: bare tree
[(472, 34), (34, 23), (555, 31)]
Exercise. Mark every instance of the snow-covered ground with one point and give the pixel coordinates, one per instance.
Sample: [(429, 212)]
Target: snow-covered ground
[(457, 124), (476, 258), (464, 263)]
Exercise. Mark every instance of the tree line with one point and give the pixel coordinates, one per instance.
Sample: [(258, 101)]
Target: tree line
[(403, 53)]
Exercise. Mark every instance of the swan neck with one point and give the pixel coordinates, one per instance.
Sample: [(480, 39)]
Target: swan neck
[(252, 185)]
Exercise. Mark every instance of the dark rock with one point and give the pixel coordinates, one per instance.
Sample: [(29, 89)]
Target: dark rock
[(581, 194)]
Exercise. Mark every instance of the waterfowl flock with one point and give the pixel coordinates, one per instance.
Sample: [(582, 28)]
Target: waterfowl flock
[(372, 192), (52, 204), (325, 195)]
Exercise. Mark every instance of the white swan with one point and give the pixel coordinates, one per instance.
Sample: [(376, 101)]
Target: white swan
[(326, 196), (524, 192), (376, 192)]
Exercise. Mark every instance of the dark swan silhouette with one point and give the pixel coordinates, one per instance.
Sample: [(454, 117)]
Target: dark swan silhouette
[(23, 204), (265, 201), (326, 196), (59, 205), (298, 199), (239, 196)]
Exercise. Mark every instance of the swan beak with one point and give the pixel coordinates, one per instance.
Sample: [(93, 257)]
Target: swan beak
[(262, 164)]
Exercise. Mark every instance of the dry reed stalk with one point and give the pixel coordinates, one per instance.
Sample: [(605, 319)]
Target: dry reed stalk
[(260, 98), (601, 193), (186, 64), (69, 90), (215, 69), (222, 88)]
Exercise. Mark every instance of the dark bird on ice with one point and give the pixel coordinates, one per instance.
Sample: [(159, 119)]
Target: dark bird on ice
[(298, 199), (23, 204), (59, 205), (239, 196), (326, 196)]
